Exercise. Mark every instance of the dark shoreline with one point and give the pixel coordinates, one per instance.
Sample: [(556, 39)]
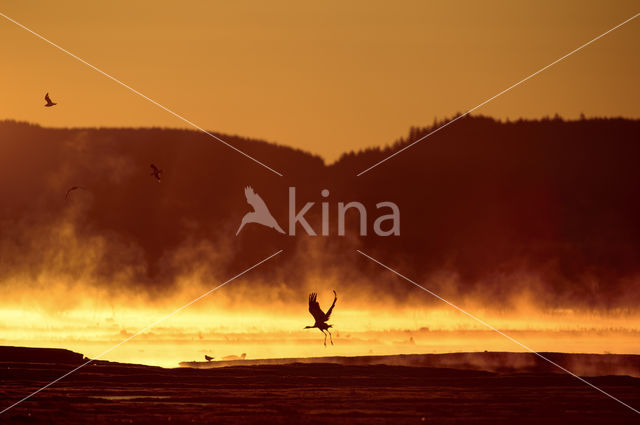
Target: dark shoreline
[(583, 364), (308, 393)]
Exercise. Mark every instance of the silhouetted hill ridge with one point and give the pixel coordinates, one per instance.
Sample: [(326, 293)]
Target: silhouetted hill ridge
[(489, 210)]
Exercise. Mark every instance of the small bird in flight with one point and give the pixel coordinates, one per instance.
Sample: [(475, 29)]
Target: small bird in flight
[(208, 358), (157, 173), (71, 189), (320, 317), (49, 102)]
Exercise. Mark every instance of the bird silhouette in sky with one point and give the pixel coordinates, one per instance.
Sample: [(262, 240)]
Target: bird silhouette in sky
[(208, 358), (71, 189), (157, 173), (320, 316), (260, 213), (49, 102)]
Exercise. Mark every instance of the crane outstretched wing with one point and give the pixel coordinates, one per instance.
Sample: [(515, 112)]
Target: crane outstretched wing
[(314, 308), (47, 98), (254, 199), (328, 315)]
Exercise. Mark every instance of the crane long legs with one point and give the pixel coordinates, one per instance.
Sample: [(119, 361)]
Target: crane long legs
[(325, 337)]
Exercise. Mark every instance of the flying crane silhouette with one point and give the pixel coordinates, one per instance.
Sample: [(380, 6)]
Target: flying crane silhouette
[(260, 213), (49, 102), (71, 189), (320, 317), (157, 173)]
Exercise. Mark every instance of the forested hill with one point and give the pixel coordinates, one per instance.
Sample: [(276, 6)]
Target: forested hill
[(483, 201)]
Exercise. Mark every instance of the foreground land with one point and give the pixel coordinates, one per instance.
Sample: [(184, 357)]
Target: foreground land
[(324, 393)]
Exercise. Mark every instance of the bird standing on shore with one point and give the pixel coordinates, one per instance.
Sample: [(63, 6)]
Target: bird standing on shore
[(320, 316)]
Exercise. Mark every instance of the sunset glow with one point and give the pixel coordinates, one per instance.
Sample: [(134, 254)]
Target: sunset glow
[(319, 212)]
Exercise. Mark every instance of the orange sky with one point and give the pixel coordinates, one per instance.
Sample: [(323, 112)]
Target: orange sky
[(322, 76)]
